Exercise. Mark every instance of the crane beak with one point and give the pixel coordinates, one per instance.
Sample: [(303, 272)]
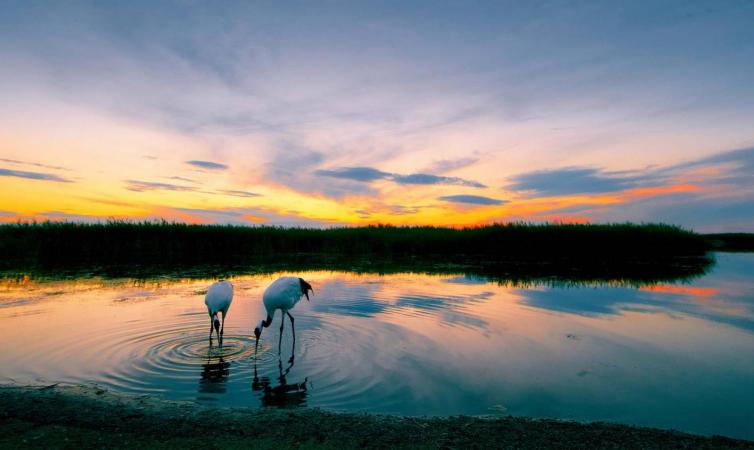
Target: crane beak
[(257, 333)]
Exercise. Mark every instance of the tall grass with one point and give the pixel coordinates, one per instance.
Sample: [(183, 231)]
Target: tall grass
[(119, 242), (520, 253)]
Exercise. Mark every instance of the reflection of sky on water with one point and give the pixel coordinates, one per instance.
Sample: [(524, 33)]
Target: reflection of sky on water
[(669, 355), (727, 297)]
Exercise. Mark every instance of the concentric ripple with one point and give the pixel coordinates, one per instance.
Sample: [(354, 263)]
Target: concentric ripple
[(171, 358)]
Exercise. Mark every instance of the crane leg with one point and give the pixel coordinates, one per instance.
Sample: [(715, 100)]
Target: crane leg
[(222, 327), (210, 330), (280, 339), (293, 329)]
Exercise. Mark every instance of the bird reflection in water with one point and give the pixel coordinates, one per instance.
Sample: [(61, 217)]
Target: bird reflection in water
[(284, 394), (215, 374)]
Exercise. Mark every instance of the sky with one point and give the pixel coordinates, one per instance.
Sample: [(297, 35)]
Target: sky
[(353, 113)]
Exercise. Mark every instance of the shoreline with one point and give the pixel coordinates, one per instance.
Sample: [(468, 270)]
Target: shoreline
[(73, 416)]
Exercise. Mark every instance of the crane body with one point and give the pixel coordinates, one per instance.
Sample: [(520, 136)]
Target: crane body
[(218, 299), (282, 294)]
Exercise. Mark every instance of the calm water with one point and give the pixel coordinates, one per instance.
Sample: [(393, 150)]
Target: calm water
[(672, 356)]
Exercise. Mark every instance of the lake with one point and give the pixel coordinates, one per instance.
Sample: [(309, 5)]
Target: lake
[(665, 355)]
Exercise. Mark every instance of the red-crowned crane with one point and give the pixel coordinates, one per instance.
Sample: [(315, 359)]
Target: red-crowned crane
[(282, 294), (218, 299)]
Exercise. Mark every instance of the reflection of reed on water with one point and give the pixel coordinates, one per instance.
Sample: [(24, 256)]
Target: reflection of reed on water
[(511, 271)]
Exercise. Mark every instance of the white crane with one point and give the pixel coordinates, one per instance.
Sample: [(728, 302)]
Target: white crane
[(218, 299), (282, 294)]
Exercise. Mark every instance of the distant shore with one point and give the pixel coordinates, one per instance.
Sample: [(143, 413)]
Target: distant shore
[(52, 243), (642, 253), (88, 417)]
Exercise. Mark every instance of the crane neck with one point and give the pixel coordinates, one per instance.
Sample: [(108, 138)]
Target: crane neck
[(266, 322)]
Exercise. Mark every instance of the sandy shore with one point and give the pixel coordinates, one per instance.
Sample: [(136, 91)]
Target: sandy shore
[(87, 417)]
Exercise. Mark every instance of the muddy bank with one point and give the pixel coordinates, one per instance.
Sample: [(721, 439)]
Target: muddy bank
[(76, 417)]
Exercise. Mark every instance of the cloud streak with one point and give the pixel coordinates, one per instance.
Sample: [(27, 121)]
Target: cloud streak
[(150, 186), (710, 194), (209, 165), (736, 167), (235, 193), (33, 175), (471, 199), (447, 165), (184, 179), (370, 174), (573, 180), (28, 163), (145, 186)]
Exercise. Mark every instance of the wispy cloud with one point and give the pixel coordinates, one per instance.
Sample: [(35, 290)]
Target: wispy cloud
[(290, 165), (369, 174), (143, 186), (147, 186), (365, 174), (33, 175), (573, 180), (424, 178), (736, 167), (238, 193), (446, 165), (471, 199), (400, 210), (185, 180), (391, 210), (207, 165), (743, 159), (34, 164), (706, 213), (711, 193)]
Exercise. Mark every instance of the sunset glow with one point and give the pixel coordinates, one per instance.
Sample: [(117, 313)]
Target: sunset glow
[(356, 114)]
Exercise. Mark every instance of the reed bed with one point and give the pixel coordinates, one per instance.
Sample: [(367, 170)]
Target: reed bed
[(119, 242)]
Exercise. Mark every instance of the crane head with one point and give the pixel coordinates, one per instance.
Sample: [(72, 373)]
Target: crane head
[(305, 288), (262, 324), (216, 323)]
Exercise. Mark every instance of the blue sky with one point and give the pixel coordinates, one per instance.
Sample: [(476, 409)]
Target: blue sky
[(326, 113)]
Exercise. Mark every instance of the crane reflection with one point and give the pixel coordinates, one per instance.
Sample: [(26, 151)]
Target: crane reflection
[(282, 394)]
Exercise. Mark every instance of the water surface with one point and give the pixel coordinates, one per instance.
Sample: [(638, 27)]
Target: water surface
[(667, 355)]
